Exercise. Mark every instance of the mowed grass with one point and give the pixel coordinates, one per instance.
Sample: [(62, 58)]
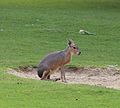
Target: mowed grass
[(31, 29), (25, 93)]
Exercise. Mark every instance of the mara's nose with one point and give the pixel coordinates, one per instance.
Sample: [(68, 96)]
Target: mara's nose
[(79, 53)]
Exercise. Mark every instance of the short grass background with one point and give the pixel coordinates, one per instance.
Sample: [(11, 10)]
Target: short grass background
[(30, 29), (33, 28)]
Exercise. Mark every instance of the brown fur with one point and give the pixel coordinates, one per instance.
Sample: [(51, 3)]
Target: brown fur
[(56, 61)]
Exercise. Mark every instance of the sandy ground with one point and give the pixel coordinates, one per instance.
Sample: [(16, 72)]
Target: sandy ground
[(106, 77)]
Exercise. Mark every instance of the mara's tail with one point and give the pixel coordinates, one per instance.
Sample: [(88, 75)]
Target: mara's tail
[(40, 71)]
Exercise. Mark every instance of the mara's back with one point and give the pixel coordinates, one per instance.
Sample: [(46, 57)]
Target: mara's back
[(54, 60)]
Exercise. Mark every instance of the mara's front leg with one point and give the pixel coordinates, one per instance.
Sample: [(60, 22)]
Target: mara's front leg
[(63, 75)]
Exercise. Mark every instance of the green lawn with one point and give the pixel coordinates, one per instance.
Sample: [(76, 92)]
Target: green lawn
[(25, 93), (30, 29)]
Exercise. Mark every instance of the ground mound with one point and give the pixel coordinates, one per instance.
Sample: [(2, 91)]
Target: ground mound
[(106, 77)]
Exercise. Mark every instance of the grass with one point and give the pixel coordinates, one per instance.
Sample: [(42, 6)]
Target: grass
[(30, 29), (17, 93)]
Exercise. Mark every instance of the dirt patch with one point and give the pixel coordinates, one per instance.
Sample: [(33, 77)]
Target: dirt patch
[(106, 77)]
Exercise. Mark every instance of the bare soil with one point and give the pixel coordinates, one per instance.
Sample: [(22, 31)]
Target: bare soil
[(106, 77)]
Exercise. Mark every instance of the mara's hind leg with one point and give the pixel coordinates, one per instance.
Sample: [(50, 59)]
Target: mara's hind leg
[(45, 75), (56, 79), (48, 77)]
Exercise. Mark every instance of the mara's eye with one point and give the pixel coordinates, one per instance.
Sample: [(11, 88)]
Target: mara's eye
[(74, 47)]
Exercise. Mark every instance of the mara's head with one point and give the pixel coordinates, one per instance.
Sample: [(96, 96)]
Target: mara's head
[(74, 48)]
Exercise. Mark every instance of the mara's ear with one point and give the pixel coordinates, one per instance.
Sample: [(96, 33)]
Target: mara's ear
[(69, 42)]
